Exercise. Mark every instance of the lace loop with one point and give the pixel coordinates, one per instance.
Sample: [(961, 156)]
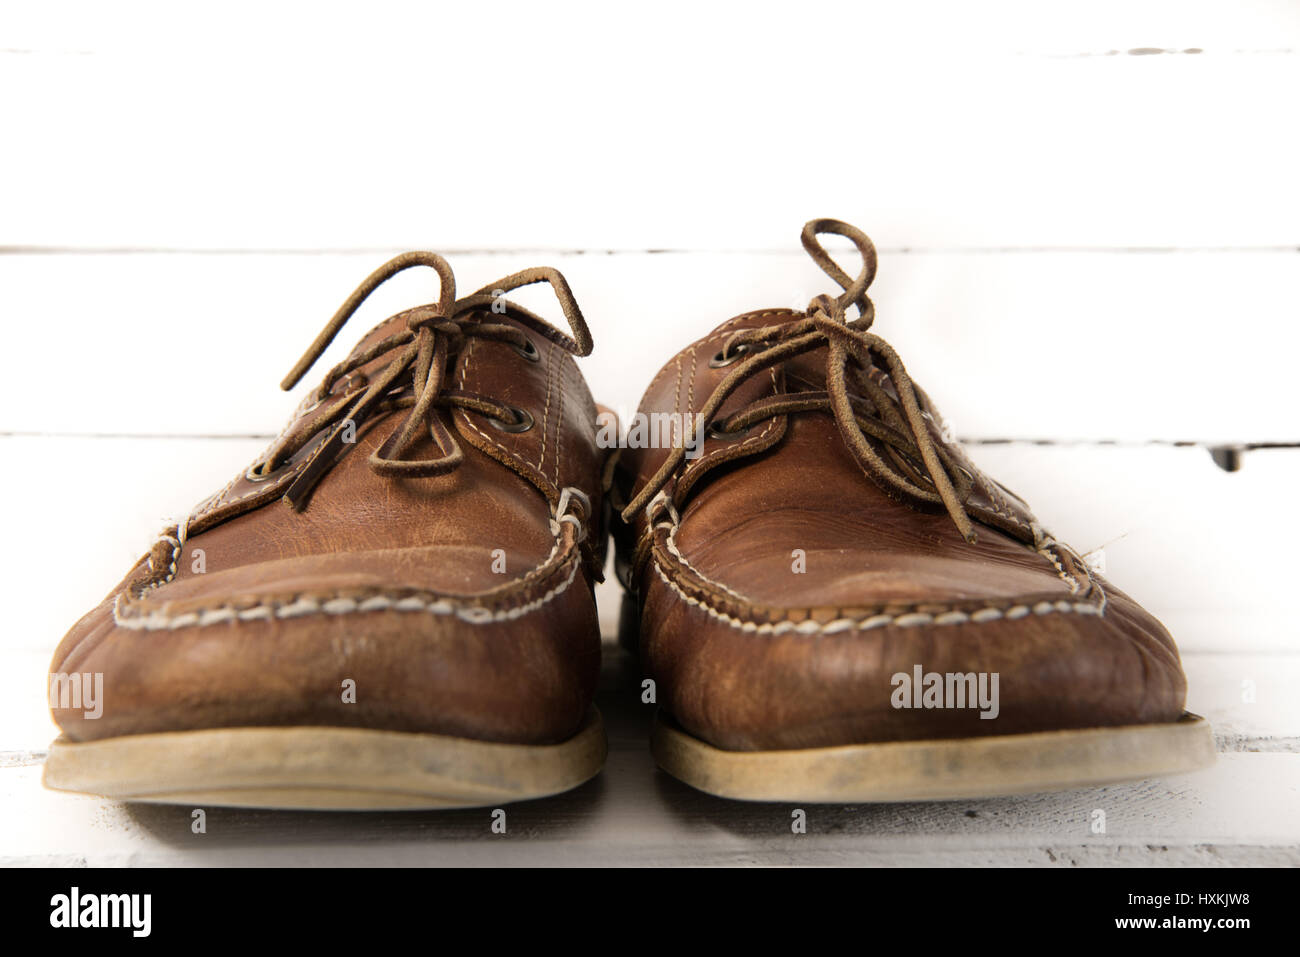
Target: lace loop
[(868, 391), (425, 349)]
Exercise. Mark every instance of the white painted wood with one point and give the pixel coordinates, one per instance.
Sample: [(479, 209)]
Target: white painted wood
[(26, 728), (1203, 549), (1200, 547), (686, 126), (932, 29), (90, 509), (1239, 812), (1249, 700), (1035, 345)]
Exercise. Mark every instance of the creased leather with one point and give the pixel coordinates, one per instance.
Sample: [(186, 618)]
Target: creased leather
[(719, 601), (295, 603)]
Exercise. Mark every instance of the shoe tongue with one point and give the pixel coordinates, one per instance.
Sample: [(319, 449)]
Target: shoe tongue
[(389, 327)]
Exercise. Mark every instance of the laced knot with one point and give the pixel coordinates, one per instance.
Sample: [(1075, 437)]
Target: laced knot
[(868, 391), (416, 376)]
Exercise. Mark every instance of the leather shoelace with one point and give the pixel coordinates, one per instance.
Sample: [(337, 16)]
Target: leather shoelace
[(886, 431), (425, 349)]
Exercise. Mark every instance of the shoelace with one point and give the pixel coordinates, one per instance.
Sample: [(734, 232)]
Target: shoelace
[(433, 336), (885, 431)]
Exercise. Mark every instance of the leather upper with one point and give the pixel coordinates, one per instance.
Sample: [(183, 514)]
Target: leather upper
[(781, 589), (459, 603)]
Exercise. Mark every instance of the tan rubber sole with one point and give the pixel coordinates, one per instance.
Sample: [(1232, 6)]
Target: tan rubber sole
[(938, 770), (318, 768)]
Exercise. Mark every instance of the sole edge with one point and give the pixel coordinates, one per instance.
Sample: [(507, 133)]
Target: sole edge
[(940, 769), (324, 768)]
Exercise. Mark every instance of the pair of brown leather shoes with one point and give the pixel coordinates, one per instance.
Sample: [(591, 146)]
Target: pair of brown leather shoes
[(393, 606)]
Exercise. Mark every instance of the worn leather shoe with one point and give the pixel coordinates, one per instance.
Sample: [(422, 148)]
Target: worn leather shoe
[(836, 604), (391, 608)]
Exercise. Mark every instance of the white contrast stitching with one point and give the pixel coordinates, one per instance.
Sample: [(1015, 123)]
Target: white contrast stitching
[(1044, 544), (343, 605), (903, 620), (698, 467), (722, 332), (461, 415), (307, 605), (671, 543), (171, 566), (546, 415), (559, 421)]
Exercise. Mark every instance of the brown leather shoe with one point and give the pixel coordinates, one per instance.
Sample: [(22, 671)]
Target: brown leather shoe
[(391, 608), (837, 605)]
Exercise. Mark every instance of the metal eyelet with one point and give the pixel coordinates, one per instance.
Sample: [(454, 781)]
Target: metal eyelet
[(523, 421), (716, 431), (528, 350), (722, 359)]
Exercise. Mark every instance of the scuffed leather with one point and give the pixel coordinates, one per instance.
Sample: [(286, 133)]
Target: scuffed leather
[(514, 660), (749, 655)]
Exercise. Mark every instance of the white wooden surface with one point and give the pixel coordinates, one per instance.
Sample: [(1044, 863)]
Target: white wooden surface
[(1102, 345), (685, 125), (1088, 223)]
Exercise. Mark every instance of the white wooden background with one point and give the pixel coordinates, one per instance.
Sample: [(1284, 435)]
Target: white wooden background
[(1089, 220)]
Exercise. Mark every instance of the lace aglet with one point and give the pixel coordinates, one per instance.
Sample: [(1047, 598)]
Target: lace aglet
[(300, 489), (296, 504), (303, 365), (296, 495)]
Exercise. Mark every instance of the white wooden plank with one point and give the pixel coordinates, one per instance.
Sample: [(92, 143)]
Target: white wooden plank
[(90, 508), (1198, 546), (935, 28), (1249, 700), (484, 124), (1056, 345), (26, 728), (1203, 549), (1239, 812)]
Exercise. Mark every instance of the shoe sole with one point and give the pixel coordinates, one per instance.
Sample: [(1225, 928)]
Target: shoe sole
[(319, 768), (937, 770)]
